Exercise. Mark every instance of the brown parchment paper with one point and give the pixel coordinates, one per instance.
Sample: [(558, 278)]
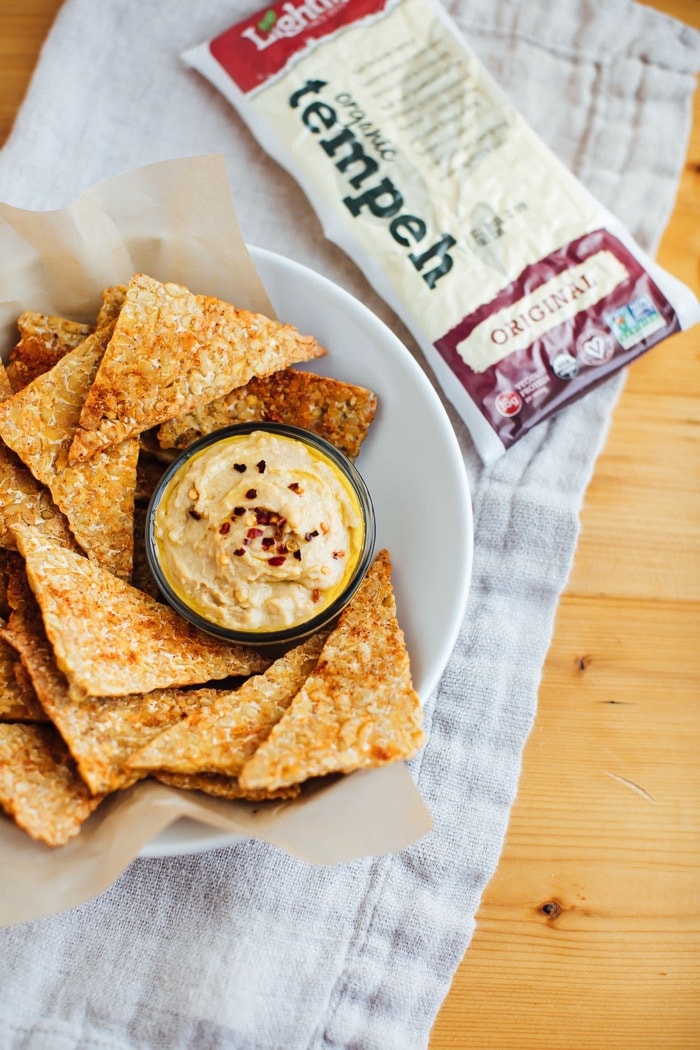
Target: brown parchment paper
[(176, 221)]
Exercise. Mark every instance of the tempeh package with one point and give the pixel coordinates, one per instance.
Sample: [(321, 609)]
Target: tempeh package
[(520, 288)]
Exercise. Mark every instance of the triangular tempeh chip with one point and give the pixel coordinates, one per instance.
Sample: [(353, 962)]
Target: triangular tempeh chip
[(101, 733), (358, 708), (40, 787), (97, 498), (221, 737), (172, 350), (39, 421), (111, 639), (339, 412), (22, 499)]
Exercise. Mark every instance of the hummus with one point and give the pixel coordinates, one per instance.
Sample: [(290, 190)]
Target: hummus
[(258, 532)]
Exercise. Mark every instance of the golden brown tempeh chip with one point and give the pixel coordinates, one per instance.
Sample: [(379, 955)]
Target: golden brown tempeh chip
[(39, 785), (22, 498), (5, 386), (358, 708), (44, 339), (18, 701), (39, 421), (97, 498), (173, 350), (110, 639), (222, 786), (23, 501), (339, 412), (101, 733), (221, 737), (112, 302)]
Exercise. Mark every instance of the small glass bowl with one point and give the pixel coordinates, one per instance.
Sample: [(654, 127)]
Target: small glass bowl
[(300, 630)]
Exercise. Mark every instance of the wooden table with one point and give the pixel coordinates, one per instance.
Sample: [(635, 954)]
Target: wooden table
[(588, 937)]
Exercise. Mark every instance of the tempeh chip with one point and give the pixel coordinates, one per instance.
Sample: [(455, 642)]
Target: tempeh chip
[(44, 339), (40, 787), (171, 351), (18, 701), (101, 733), (337, 411), (221, 737), (112, 302), (5, 385), (358, 708), (97, 498), (222, 786), (110, 639), (22, 499)]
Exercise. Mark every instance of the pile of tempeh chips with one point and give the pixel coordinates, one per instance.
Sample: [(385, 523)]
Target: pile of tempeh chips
[(102, 683)]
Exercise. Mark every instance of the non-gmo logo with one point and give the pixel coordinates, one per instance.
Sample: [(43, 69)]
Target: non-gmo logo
[(509, 403)]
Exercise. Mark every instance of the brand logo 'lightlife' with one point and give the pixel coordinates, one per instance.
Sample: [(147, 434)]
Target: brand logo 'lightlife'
[(292, 20)]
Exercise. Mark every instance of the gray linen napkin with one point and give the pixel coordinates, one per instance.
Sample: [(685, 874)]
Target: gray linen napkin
[(243, 946)]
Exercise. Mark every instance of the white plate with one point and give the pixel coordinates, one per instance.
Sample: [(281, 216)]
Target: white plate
[(413, 467)]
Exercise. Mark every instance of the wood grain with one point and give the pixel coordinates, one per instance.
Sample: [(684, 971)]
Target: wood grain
[(588, 937)]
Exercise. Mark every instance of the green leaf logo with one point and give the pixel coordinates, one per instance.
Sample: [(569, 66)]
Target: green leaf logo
[(267, 21)]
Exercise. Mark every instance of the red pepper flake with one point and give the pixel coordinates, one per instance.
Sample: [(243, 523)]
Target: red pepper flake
[(262, 466), (240, 467), (239, 552), (315, 595), (194, 514), (251, 493), (277, 559), (225, 527), (338, 554), (296, 487), (310, 535), (262, 516), (282, 548), (253, 534), (267, 542), (237, 511), (297, 555)]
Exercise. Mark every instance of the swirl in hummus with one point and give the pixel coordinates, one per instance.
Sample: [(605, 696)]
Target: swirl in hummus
[(258, 532)]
